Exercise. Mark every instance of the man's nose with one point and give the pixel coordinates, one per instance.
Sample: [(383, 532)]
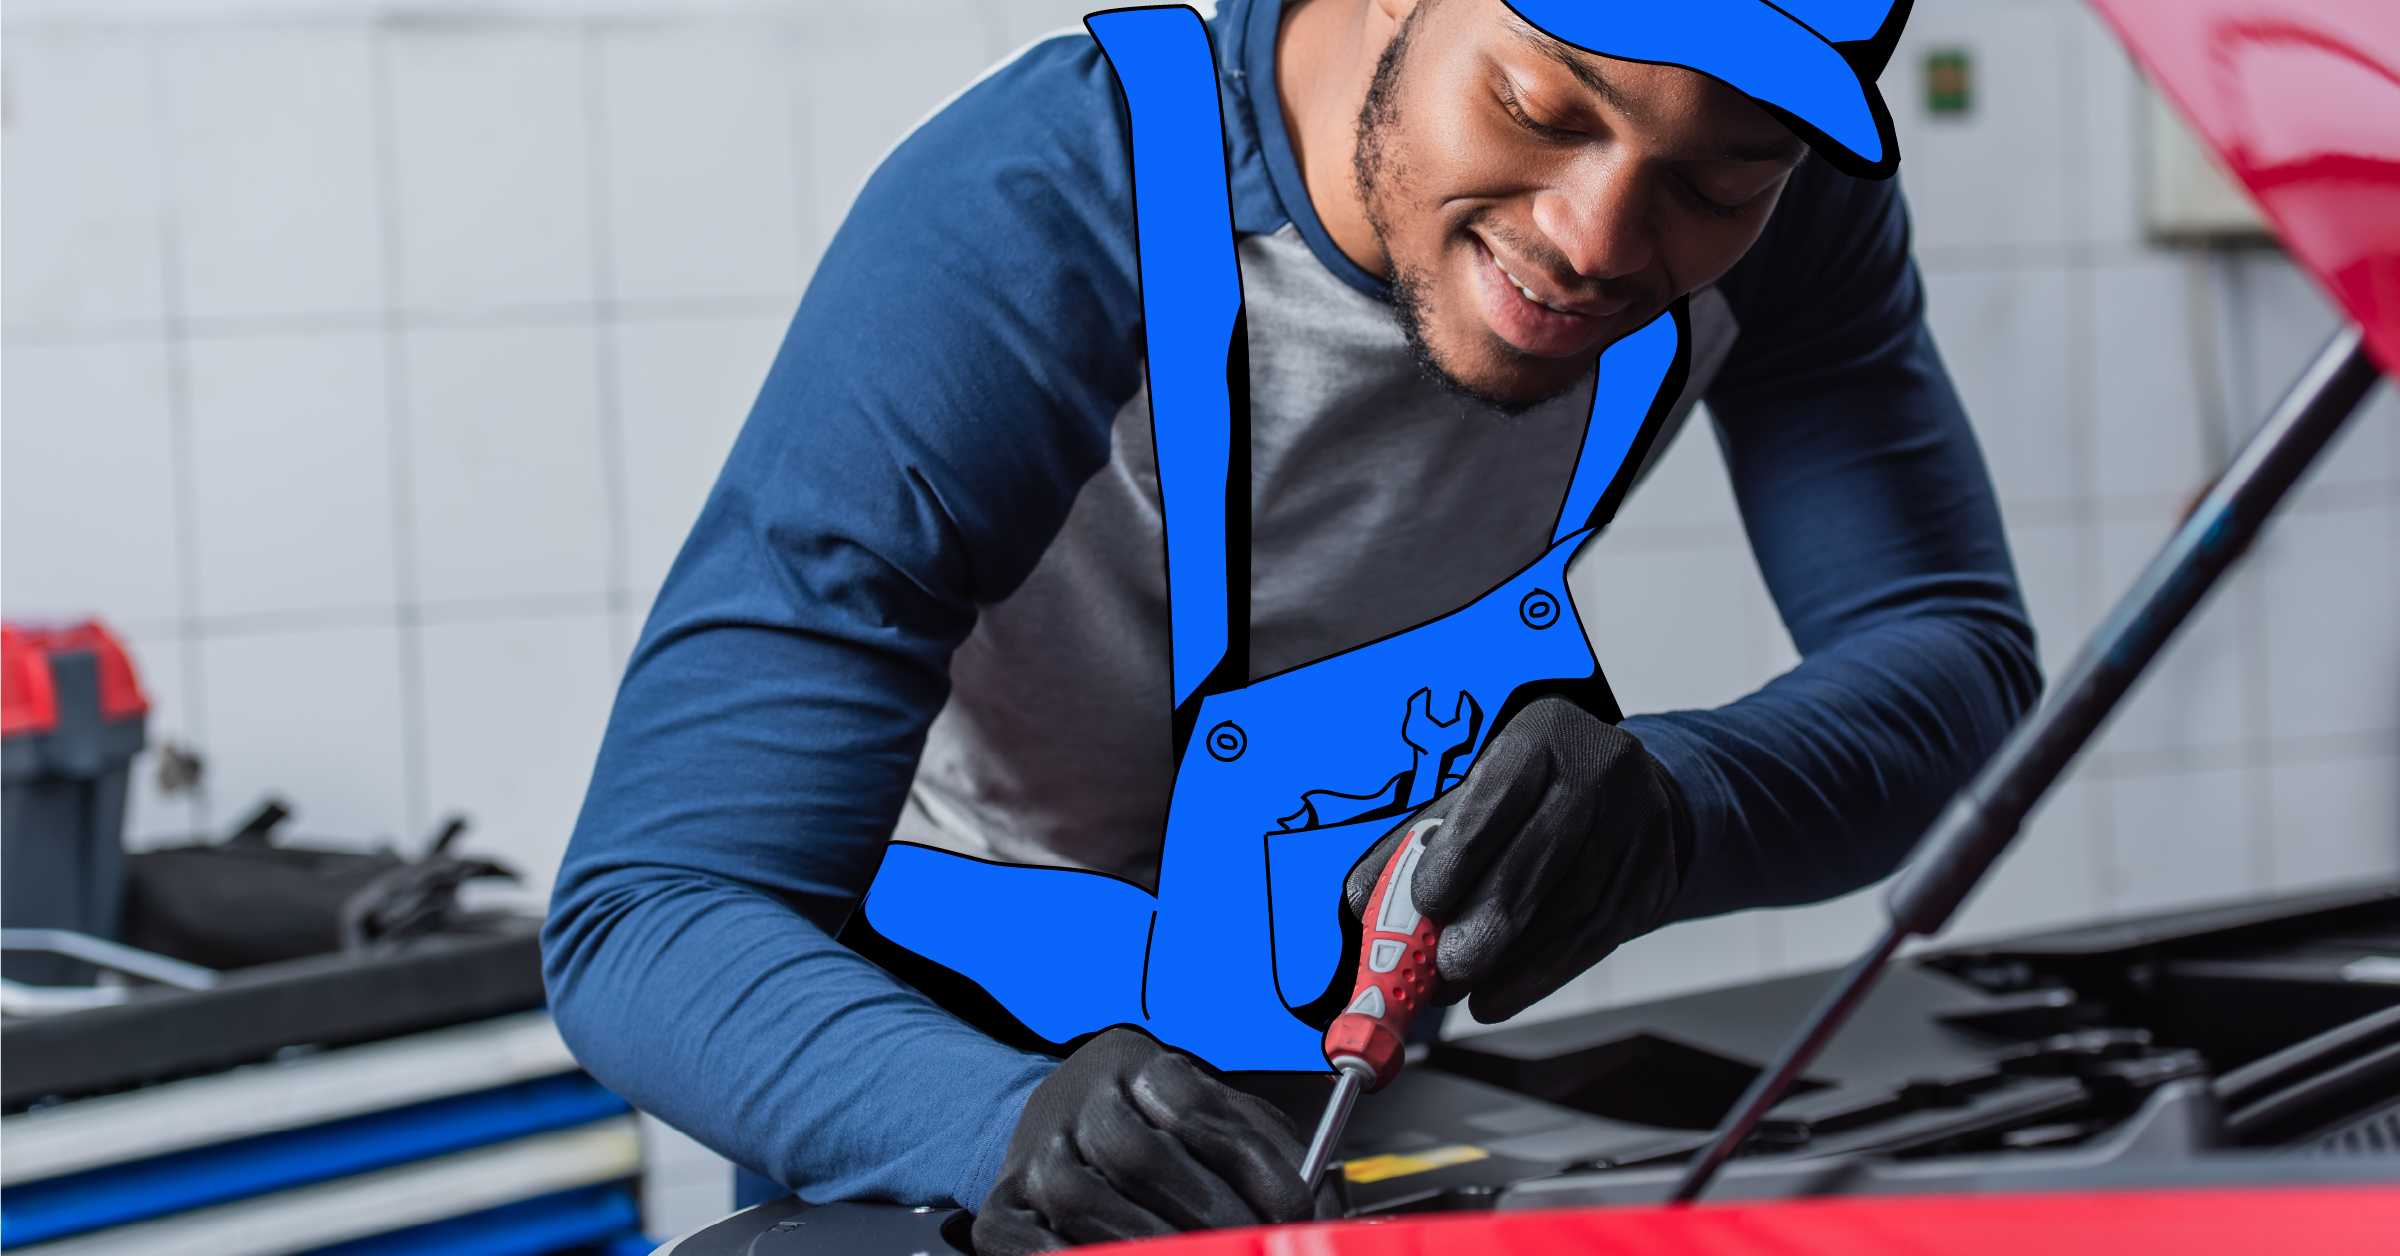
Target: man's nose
[(1598, 220)]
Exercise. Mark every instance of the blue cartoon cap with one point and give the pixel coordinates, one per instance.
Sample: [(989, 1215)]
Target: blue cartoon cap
[(1811, 63)]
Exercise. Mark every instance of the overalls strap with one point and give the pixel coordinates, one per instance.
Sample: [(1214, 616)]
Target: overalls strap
[(1196, 347), (1640, 379), (1198, 357)]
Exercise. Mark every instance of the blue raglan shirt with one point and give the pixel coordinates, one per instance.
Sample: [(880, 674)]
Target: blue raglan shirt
[(948, 384)]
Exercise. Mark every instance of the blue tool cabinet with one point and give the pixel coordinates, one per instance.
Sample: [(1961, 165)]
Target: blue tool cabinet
[(482, 1139)]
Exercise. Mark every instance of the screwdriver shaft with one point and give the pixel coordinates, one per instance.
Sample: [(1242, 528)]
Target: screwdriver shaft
[(1329, 1127)]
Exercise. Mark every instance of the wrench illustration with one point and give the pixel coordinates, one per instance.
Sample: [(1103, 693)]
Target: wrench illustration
[(1431, 740)]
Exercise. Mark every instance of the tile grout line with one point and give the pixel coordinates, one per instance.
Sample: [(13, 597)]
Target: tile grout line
[(607, 360), (2205, 341), (2255, 676), (2255, 668), (2083, 514), (803, 168), (525, 608), (2037, 255), (995, 31), (181, 458), (408, 637), (2242, 365), (2257, 698), (724, 307), (2209, 758)]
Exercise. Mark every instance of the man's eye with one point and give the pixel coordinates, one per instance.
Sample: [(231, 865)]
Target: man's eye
[(1516, 110), (1704, 202)]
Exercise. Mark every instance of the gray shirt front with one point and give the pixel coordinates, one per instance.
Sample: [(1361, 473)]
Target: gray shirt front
[(1379, 500)]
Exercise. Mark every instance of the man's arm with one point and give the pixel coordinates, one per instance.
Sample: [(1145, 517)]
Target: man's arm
[(947, 385), (1868, 507)]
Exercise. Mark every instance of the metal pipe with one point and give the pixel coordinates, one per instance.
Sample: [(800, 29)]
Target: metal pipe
[(1798, 1051), (164, 970)]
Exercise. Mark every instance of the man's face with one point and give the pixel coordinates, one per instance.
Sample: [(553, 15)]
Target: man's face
[(1536, 202)]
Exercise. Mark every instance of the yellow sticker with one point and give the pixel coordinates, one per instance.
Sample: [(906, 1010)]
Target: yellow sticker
[(1377, 1168)]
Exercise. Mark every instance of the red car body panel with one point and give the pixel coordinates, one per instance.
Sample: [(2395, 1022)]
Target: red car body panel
[(2301, 100), (2222, 1221)]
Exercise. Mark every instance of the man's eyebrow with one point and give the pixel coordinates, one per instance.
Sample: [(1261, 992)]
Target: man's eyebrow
[(1788, 149), (1584, 72)]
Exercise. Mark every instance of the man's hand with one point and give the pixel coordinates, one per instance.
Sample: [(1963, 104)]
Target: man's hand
[(1566, 840), (1129, 1139)]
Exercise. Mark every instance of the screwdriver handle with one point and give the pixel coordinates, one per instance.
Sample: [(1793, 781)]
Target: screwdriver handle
[(1395, 972)]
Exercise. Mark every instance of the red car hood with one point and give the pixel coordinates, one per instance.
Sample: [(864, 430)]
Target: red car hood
[(2301, 99)]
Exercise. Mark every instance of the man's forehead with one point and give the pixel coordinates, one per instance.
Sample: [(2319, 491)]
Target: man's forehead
[(1590, 70)]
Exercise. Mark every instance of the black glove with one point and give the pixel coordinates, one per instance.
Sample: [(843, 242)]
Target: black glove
[(1566, 840), (1128, 1140)]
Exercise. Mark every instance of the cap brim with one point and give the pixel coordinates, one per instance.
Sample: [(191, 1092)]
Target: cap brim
[(1751, 47)]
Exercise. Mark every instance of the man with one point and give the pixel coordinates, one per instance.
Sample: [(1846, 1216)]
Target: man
[(926, 599)]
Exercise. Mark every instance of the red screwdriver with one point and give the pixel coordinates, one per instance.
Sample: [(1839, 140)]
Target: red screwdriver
[(1395, 976)]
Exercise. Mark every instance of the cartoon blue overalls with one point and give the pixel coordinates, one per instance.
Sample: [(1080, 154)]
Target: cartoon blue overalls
[(1282, 783)]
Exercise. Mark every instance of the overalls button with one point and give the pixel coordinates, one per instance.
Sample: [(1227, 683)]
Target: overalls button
[(1227, 741), (1538, 610)]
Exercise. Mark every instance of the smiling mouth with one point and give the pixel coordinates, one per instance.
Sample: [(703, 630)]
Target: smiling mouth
[(1598, 307), (1528, 292)]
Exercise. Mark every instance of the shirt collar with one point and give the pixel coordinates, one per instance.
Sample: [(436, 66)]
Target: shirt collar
[(1263, 175)]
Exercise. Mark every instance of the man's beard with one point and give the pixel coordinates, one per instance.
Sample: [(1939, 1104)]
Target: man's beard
[(1410, 286)]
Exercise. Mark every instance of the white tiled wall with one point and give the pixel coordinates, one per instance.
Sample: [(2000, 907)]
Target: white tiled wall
[(367, 361)]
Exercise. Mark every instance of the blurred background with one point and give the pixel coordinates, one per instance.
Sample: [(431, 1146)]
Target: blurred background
[(365, 364)]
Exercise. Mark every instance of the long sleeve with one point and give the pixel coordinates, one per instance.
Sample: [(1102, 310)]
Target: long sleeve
[(947, 385), (1872, 517)]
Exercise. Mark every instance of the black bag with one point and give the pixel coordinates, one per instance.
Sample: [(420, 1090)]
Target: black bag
[(247, 901)]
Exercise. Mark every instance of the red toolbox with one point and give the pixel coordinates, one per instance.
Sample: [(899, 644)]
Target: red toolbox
[(71, 716)]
